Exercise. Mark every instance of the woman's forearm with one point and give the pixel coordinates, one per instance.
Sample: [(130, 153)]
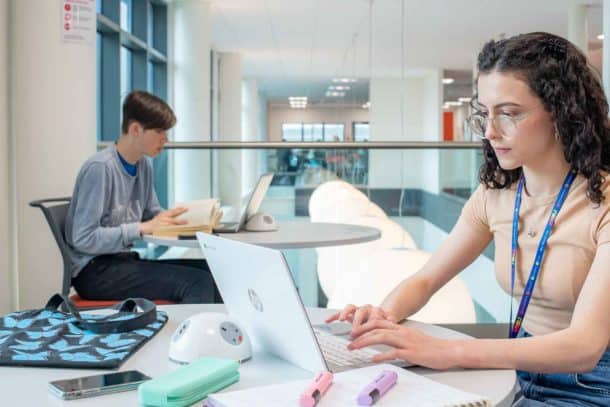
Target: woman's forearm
[(408, 297), (560, 352)]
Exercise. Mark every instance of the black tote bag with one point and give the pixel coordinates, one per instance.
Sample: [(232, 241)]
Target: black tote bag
[(52, 338)]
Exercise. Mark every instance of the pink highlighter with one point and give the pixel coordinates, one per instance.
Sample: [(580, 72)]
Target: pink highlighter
[(316, 389)]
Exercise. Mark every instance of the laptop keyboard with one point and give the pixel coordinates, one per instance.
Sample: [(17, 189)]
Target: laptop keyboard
[(334, 349)]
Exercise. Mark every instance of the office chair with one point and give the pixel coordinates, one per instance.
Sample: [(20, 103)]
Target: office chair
[(55, 211)]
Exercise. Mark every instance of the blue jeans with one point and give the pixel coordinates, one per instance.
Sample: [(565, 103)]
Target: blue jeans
[(567, 389)]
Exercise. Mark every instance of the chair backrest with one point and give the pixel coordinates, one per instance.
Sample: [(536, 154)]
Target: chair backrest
[(341, 202), (55, 211), (338, 202)]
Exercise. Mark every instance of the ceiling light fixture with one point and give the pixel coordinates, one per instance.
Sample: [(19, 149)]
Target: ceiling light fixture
[(448, 81), (334, 93), (297, 102), (339, 87), (344, 80), (600, 37), (464, 100)]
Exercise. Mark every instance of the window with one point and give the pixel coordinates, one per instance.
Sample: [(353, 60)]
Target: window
[(126, 9), (98, 81), (360, 131), (312, 132), (292, 132), (131, 54), (125, 72), (333, 132)]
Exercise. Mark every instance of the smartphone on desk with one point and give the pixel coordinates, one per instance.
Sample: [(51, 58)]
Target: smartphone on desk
[(187, 237), (91, 386)]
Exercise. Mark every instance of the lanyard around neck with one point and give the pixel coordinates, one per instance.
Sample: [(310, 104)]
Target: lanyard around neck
[(531, 281)]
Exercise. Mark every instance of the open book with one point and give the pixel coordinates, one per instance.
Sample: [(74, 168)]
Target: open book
[(202, 216), (410, 390)]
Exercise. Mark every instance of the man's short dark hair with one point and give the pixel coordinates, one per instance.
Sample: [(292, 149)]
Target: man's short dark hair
[(148, 110)]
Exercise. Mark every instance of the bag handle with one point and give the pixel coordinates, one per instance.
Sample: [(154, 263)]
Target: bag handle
[(113, 323), (57, 299)]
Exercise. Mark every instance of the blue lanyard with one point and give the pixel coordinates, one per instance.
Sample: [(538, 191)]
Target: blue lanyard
[(531, 281)]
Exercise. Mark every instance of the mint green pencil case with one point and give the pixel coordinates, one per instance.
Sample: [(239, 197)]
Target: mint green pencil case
[(189, 383)]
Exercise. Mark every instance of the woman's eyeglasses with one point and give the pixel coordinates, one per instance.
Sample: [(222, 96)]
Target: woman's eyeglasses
[(505, 124)]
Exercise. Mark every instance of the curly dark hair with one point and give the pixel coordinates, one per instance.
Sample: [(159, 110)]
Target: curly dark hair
[(570, 90)]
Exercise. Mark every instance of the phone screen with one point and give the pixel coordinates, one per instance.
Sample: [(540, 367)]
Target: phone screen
[(100, 381)]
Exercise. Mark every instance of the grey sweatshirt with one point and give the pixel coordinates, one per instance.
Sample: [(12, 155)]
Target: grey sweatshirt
[(107, 206)]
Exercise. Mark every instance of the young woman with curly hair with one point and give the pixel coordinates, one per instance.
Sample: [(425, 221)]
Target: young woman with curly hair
[(543, 118)]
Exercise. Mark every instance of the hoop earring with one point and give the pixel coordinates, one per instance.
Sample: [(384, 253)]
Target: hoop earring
[(556, 133)]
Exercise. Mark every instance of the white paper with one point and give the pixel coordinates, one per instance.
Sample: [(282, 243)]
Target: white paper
[(410, 390)]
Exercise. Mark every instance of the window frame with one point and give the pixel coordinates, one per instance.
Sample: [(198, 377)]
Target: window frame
[(312, 129), (145, 47), (146, 38)]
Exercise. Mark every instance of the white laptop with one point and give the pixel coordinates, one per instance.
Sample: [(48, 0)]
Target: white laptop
[(257, 288), (254, 203)]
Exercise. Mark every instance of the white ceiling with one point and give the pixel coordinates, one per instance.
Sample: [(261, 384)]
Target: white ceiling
[(291, 44)]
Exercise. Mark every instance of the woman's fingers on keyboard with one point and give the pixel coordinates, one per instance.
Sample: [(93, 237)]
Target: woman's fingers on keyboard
[(347, 313), (333, 317), (372, 324), (393, 354), (361, 315)]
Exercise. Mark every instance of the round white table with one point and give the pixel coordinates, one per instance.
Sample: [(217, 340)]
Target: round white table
[(21, 386), (290, 235)]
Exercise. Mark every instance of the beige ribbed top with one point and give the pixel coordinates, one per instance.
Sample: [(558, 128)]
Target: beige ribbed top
[(580, 228)]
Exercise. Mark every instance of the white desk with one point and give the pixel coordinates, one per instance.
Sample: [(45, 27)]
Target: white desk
[(20, 386), (290, 235)]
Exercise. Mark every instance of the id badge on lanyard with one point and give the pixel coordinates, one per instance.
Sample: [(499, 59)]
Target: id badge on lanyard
[(531, 281)]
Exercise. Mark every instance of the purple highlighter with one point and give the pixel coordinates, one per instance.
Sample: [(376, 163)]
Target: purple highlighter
[(377, 388)]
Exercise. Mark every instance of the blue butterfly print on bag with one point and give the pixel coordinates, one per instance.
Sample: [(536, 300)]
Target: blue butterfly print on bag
[(56, 321), (144, 332), (44, 315), (74, 330), (30, 356), (24, 345), (63, 345), (110, 338), (86, 338), (9, 322), (121, 343), (39, 335), (78, 357), (112, 356), (105, 351)]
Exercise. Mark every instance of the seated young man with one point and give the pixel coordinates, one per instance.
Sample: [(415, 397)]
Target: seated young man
[(114, 203)]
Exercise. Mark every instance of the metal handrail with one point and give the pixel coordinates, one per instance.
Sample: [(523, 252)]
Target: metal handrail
[(348, 145)]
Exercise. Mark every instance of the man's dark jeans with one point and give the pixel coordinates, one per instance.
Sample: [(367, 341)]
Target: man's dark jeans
[(124, 275)]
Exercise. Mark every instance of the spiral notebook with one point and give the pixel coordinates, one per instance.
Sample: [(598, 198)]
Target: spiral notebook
[(410, 390)]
